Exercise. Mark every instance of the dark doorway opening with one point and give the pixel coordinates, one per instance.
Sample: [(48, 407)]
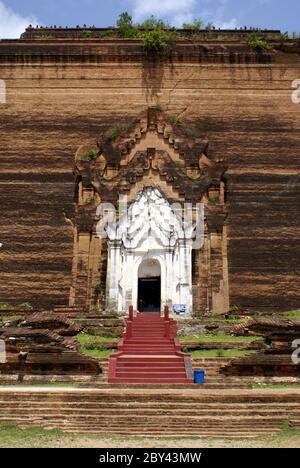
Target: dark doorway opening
[(149, 294)]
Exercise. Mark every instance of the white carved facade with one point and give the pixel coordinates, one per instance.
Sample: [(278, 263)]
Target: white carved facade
[(149, 240)]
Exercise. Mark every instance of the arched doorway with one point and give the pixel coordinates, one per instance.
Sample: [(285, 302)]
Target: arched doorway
[(149, 286), (149, 256)]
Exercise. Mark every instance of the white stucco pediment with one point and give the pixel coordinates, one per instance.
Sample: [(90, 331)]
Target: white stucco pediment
[(151, 229), (150, 215)]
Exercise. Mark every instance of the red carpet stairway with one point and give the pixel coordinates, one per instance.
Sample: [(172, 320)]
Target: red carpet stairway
[(149, 352)]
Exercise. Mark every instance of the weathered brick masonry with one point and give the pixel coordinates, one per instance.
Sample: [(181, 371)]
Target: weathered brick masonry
[(63, 93)]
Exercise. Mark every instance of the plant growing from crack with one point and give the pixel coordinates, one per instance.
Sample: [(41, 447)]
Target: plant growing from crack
[(89, 155), (89, 200), (26, 306), (116, 130), (98, 288), (176, 120), (258, 43), (193, 132), (215, 200), (86, 34)]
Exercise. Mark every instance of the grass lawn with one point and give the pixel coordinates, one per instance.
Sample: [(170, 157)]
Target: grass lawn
[(36, 437), (220, 353), (220, 338), (98, 353), (5, 318), (230, 319), (96, 345), (86, 339), (293, 314), (273, 385)]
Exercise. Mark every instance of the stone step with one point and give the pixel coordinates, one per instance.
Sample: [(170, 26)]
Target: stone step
[(141, 434), (155, 380), (251, 425), (158, 406), (145, 421), (194, 413), (151, 375), (128, 364), (149, 395), (145, 338), (173, 396), (150, 370), (146, 359)]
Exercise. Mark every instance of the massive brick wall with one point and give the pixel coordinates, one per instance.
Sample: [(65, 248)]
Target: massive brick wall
[(61, 95)]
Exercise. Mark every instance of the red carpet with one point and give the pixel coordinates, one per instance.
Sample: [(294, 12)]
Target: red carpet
[(150, 353)]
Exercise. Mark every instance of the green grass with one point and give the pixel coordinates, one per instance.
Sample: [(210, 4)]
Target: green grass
[(86, 338), (10, 435), (37, 437), (287, 437), (116, 130), (230, 319), (259, 43), (4, 318), (273, 385), (98, 353), (293, 314), (89, 155), (5, 306), (96, 345), (220, 353), (220, 338)]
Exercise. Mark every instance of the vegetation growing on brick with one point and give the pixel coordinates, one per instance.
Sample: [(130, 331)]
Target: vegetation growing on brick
[(193, 132), (155, 41), (26, 306), (89, 155), (156, 34), (115, 131), (283, 37), (215, 200), (89, 200), (258, 43), (98, 288), (86, 34), (176, 120), (107, 33)]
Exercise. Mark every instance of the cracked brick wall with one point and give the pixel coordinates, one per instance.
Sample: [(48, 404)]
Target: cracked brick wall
[(62, 95)]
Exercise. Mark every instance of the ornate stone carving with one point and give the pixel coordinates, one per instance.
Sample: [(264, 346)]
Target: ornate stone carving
[(149, 229), (149, 216), (155, 164)]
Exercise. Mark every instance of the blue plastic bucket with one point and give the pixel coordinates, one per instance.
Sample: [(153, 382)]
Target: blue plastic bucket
[(199, 376)]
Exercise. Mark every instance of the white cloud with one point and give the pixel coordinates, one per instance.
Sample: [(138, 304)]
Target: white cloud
[(218, 16), (184, 11), (12, 25), (176, 11), (230, 24)]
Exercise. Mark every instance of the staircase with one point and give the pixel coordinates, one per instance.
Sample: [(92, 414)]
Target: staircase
[(149, 352), (152, 413)]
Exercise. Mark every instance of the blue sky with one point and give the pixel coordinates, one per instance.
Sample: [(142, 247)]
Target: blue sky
[(15, 15)]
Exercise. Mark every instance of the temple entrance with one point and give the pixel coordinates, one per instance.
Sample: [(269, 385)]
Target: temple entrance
[(149, 294), (149, 286), (149, 255)]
